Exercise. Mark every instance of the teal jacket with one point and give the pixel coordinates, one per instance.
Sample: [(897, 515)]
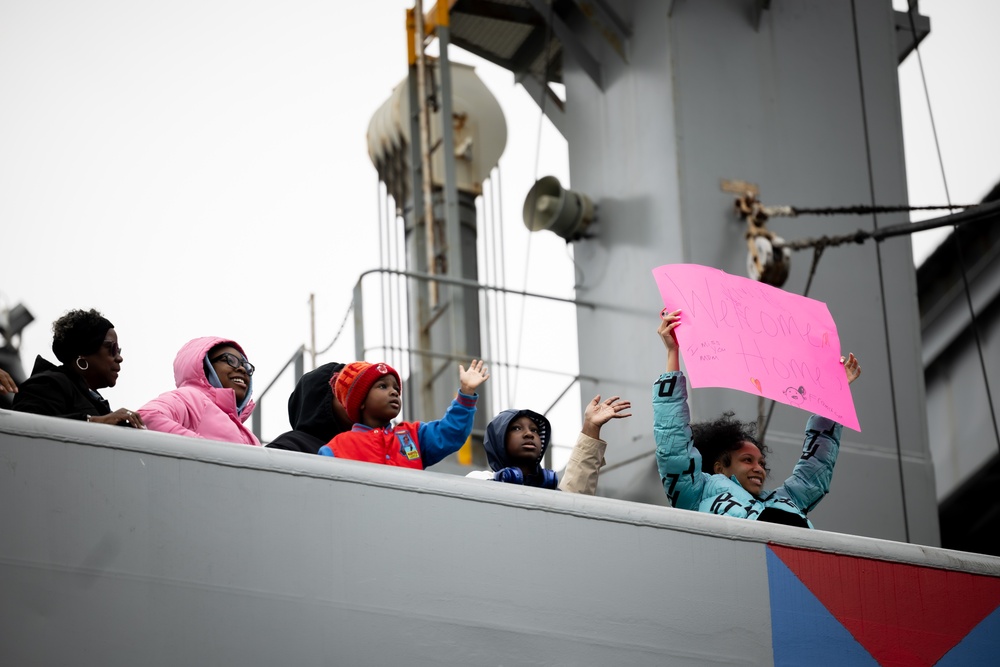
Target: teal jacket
[(679, 463)]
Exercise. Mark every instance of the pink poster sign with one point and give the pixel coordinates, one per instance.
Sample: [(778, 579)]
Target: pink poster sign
[(743, 334)]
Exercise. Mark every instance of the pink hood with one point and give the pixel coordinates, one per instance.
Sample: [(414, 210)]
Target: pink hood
[(189, 365), (196, 408)]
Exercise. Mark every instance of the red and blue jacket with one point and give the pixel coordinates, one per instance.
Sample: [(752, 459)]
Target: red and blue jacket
[(408, 444)]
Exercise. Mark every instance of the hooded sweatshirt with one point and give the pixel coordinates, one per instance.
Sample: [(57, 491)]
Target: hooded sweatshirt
[(197, 408), (502, 469), (582, 469), (310, 412)]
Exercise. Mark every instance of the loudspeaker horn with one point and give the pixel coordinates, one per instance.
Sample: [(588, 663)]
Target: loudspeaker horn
[(564, 212)]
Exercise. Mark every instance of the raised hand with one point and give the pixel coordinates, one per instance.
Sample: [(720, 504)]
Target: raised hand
[(469, 380), (852, 366), (598, 413), (669, 322)]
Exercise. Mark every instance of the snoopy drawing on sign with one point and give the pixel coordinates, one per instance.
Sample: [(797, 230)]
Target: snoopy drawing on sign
[(796, 395)]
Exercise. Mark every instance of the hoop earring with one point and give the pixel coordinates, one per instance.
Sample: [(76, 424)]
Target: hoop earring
[(86, 364)]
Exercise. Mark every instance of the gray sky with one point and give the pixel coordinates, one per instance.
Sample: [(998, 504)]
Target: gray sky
[(961, 59), (200, 167)]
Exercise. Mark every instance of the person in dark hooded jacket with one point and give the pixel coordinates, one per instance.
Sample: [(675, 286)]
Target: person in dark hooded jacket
[(314, 412), (516, 441)]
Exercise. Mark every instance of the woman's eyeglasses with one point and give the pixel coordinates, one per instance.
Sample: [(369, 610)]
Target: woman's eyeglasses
[(112, 347), (234, 362)]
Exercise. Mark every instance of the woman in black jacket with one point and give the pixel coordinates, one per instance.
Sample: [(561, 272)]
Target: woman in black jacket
[(87, 345)]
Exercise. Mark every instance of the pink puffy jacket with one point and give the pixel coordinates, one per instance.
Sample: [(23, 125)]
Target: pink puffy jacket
[(196, 408)]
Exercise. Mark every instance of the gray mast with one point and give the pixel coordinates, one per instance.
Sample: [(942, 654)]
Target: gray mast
[(663, 102), (464, 136)]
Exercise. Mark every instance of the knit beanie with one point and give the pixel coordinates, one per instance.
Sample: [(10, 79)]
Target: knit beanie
[(355, 380)]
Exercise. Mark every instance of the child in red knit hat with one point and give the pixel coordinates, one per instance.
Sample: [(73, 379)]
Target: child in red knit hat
[(371, 395)]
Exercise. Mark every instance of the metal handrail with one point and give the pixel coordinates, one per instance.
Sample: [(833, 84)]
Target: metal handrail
[(257, 418), (463, 282), (361, 349), (464, 358)]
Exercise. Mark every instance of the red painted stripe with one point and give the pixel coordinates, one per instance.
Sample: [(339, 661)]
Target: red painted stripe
[(902, 614)]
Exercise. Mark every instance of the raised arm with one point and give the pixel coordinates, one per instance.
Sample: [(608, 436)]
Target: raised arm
[(811, 478), (469, 380), (598, 413), (446, 436), (677, 459), (587, 458), (669, 322), (852, 367)]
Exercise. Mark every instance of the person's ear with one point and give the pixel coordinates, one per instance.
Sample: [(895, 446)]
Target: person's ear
[(718, 468)]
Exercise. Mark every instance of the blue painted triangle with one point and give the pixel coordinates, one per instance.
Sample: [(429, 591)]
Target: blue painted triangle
[(803, 632), (979, 647)]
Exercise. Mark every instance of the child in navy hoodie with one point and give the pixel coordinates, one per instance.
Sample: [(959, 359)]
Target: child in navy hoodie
[(516, 441)]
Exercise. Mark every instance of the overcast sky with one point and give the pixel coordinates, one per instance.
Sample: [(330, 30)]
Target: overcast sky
[(200, 167), (961, 59)]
